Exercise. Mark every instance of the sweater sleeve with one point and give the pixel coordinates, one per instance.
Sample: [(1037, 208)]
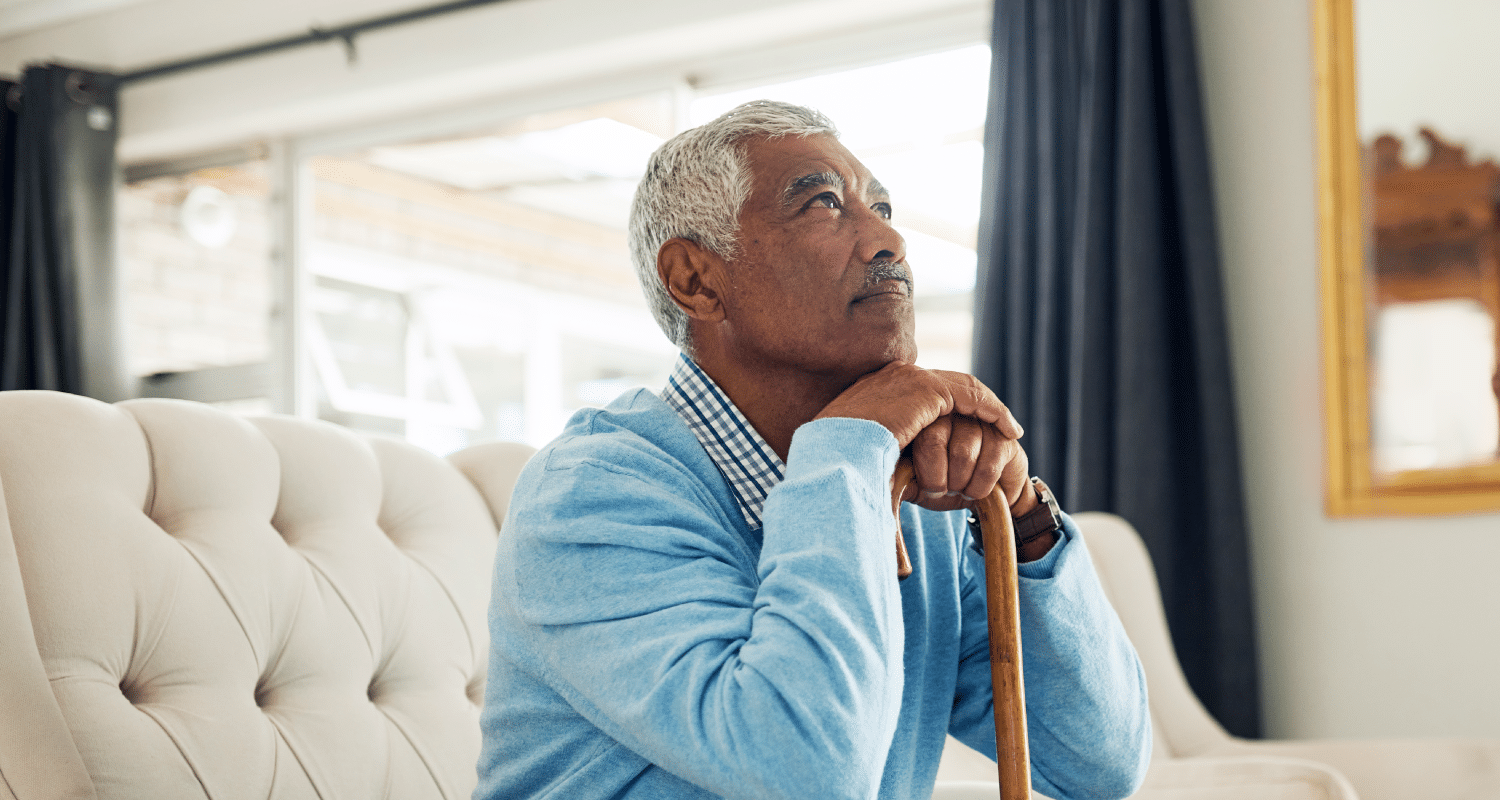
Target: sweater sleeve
[(1088, 723), (755, 679)]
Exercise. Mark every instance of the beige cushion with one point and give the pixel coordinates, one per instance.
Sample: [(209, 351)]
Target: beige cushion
[(1395, 769), (231, 608), (1264, 778), (1207, 779)]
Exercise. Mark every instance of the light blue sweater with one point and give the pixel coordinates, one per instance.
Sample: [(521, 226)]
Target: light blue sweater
[(645, 643)]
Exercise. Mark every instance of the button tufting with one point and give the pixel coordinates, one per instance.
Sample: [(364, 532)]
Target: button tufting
[(216, 599)]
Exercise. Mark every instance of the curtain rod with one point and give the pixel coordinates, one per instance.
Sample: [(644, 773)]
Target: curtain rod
[(344, 33)]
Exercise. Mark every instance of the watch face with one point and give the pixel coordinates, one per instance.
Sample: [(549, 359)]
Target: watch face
[(1044, 494)]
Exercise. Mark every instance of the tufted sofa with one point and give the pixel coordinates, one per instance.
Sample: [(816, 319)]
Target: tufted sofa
[(193, 604)]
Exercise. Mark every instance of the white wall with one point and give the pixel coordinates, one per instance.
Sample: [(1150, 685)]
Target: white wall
[(1368, 627)]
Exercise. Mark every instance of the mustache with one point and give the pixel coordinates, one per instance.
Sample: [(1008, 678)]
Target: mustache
[(885, 270)]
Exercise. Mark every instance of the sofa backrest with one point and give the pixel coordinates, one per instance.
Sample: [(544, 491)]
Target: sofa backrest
[(193, 604)]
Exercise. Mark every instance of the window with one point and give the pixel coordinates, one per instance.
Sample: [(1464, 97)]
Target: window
[(195, 248), (476, 284)]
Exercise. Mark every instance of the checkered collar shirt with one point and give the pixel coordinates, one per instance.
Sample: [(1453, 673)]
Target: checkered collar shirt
[(750, 466)]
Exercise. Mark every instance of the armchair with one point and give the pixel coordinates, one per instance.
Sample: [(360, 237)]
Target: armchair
[(1196, 758)]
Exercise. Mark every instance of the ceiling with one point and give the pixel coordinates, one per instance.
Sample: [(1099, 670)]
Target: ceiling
[(122, 35), (21, 16)]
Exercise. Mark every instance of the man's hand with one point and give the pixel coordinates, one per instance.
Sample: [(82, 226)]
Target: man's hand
[(963, 439), (959, 460)]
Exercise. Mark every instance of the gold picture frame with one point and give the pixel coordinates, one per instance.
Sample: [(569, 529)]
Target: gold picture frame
[(1353, 488)]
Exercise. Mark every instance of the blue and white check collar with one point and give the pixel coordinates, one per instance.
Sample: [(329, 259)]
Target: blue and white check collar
[(750, 466)]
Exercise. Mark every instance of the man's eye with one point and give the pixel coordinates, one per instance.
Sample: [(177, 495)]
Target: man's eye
[(883, 209), (826, 200)]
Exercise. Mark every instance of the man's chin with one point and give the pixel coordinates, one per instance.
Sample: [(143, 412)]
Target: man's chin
[(905, 352)]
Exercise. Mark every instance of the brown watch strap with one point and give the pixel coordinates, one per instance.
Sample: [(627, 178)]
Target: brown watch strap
[(1040, 520)]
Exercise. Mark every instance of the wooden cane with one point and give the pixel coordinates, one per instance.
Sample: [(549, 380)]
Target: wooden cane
[(1013, 757)]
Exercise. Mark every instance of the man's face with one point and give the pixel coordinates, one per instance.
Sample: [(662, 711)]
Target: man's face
[(804, 294)]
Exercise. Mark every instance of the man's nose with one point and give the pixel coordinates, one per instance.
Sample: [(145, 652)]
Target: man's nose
[(879, 240)]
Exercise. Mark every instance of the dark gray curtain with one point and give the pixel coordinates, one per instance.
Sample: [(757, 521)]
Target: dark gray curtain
[(1099, 315), (59, 313)]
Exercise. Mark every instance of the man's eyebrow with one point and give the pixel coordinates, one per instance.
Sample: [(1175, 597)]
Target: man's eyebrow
[(806, 183), (818, 180)]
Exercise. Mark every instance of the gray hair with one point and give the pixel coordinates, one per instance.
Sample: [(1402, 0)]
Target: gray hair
[(694, 188)]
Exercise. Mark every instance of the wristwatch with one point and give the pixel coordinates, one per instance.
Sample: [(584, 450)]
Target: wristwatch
[(1045, 518)]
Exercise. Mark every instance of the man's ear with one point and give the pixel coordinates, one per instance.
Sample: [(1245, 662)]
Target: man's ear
[(693, 276)]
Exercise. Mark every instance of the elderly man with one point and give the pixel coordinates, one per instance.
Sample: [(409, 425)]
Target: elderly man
[(695, 593)]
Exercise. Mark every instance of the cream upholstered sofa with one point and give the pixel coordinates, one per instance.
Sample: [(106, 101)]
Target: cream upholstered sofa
[(1196, 759), (197, 605)]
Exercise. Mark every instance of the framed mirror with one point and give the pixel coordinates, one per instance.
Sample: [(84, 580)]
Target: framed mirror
[(1409, 200)]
